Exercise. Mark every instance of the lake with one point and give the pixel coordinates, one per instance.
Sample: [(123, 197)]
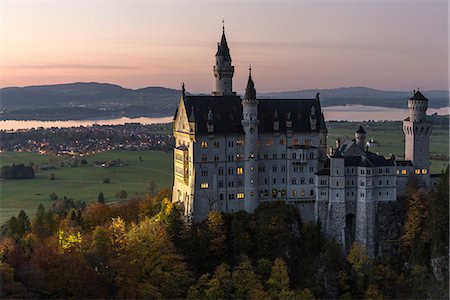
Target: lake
[(339, 113)]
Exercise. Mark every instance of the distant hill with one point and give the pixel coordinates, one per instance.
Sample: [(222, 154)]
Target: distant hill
[(364, 96), (102, 100)]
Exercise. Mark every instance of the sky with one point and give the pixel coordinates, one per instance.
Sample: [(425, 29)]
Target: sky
[(291, 45)]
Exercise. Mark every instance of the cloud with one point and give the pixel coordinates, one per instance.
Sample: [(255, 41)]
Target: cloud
[(72, 66)]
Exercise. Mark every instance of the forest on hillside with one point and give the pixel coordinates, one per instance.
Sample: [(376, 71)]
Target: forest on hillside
[(142, 248)]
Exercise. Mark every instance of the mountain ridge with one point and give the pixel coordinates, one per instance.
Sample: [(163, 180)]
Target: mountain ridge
[(80, 100)]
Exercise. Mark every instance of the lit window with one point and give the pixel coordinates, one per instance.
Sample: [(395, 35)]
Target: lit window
[(204, 185), (294, 141), (240, 195), (240, 142), (282, 142), (417, 171), (239, 171), (424, 171), (302, 193), (403, 172), (294, 193), (398, 172), (269, 142), (204, 144)]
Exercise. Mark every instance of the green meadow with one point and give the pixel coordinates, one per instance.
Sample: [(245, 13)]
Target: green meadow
[(83, 182)]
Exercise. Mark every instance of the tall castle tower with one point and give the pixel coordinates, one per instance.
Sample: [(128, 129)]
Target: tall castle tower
[(223, 70), (417, 137), (250, 124)]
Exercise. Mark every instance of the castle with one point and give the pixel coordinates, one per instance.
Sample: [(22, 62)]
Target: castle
[(234, 153)]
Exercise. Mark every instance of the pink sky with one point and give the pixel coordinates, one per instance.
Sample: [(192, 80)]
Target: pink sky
[(391, 45)]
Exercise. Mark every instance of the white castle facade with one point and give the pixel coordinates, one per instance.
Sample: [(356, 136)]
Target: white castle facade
[(234, 153)]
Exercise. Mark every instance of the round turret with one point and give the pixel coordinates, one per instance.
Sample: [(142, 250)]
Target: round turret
[(417, 106)]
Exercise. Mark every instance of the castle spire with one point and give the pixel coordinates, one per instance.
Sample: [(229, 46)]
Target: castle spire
[(223, 70), (250, 91)]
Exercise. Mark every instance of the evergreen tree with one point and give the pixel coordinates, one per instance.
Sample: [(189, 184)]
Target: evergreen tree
[(101, 198), (439, 223)]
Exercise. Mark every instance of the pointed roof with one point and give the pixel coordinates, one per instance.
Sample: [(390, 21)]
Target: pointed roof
[(337, 154), (250, 91), (418, 96), (360, 130), (222, 47)]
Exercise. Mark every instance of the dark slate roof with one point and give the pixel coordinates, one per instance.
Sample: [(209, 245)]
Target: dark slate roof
[(368, 160), (360, 130), (337, 154), (222, 48), (324, 172), (352, 160), (403, 163), (299, 109), (226, 110), (227, 113), (345, 145), (302, 147), (379, 160), (250, 92), (418, 96)]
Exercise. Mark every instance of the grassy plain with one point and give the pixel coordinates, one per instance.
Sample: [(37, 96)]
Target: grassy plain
[(84, 182)]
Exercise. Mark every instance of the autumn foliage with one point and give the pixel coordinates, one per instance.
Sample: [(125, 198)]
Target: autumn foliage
[(143, 248)]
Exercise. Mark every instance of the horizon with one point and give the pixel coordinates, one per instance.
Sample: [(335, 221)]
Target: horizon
[(203, 92), (324, 44)]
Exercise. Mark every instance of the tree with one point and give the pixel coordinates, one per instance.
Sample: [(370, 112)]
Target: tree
[(101, 198), (122, 195), (23, 223), (373, 293), (152, 187), (217, 233), (15, 228), (278, 281), (44, 223), (96, 214), (101, 241), (160, 271), (418, 212), (53, 196), (357, 256), (16, 172), (247, 284), (439, 217)]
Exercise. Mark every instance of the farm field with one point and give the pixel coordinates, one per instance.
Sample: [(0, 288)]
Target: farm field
[(83, 182)]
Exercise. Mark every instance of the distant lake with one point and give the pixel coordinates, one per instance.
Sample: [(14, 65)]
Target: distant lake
[(376, 113), (27, 124), (339, 113)]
